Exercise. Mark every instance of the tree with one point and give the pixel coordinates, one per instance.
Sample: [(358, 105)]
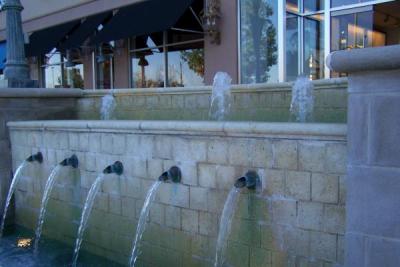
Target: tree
[(195, 60), (259, 48)]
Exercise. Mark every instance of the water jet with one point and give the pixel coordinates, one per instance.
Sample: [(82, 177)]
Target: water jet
[(72, 162), (116, 168)]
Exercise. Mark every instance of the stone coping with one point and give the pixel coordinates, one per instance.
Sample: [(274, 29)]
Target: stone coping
[(78, 93), (40, 93), (366, 59), (238, 88), (318, 131)]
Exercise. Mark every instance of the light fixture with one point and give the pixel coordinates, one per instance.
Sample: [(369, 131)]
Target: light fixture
[(211, 20)]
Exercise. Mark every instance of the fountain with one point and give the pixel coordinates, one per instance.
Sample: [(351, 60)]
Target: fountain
[(116, 168), (174, 175), (73, 162), (221, 96), (107, 106), (38, 157), (251, 180), (302, 104)]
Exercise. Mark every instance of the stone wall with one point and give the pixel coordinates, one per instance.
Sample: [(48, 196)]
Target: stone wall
[(29, 104), (373, 225), (297, 220), (261, 102)]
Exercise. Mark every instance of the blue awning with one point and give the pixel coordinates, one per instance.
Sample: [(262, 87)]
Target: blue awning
[(3, 54)]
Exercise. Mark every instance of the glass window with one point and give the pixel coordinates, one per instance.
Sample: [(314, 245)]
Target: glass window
[(148, 68), (293, 6), (352, 31), (313, 5), (185, 66), (292, 47), (105, 67), (314, 56), (183, 56), (259, 24), (53, 70), (337, 3), (305, 38), (58, 74)]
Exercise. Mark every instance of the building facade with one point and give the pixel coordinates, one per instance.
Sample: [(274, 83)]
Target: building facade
[(98, 44)]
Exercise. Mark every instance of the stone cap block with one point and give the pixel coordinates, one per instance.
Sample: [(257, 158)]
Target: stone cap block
[(307, 131), (366, 59), (40, 93)]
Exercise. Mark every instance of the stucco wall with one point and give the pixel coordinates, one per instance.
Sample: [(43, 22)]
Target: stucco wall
[(261, 102), (298, 219)]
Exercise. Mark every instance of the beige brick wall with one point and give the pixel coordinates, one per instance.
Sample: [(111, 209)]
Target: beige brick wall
[(261, 102), (297, 220)]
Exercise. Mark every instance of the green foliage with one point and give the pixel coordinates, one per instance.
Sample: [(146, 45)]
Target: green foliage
[(195, 60)]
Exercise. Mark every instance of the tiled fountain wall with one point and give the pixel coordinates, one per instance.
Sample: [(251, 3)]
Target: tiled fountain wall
[(262, 102), (298, 219), (29, 104)]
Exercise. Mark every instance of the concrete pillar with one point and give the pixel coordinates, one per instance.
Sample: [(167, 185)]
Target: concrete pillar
[(373, 184)]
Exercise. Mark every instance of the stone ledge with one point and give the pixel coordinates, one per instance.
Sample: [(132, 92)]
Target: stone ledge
[(366, 59), (242, 88), (40, 93), (306, 131)]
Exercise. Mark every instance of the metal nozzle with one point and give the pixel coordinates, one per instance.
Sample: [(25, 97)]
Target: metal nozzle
[(71, 161), (36, 157), (250, 180), (117, 168), (174, 175)]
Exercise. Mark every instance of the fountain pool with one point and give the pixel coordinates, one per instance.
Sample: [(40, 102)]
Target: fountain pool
[(16, 251)]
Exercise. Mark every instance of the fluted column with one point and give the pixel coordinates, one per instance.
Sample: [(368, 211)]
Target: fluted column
[(16, 65)]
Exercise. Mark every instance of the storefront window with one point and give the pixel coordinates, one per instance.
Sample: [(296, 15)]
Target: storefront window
[(314, 56), (58, 74), (174, 60), (303, 41), (105, 67), (185, 66), (259, 50), (292, 47), (352, 31)]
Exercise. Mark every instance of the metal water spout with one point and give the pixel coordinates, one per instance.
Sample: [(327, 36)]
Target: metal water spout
[(71, 161), (174, 175), (250, 180), (117, 168), (38, 157)]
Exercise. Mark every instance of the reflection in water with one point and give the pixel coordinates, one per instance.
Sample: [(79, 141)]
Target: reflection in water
[(24, 242)]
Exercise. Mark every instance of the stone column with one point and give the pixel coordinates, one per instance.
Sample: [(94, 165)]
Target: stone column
[(373, 184), (16, 72)]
